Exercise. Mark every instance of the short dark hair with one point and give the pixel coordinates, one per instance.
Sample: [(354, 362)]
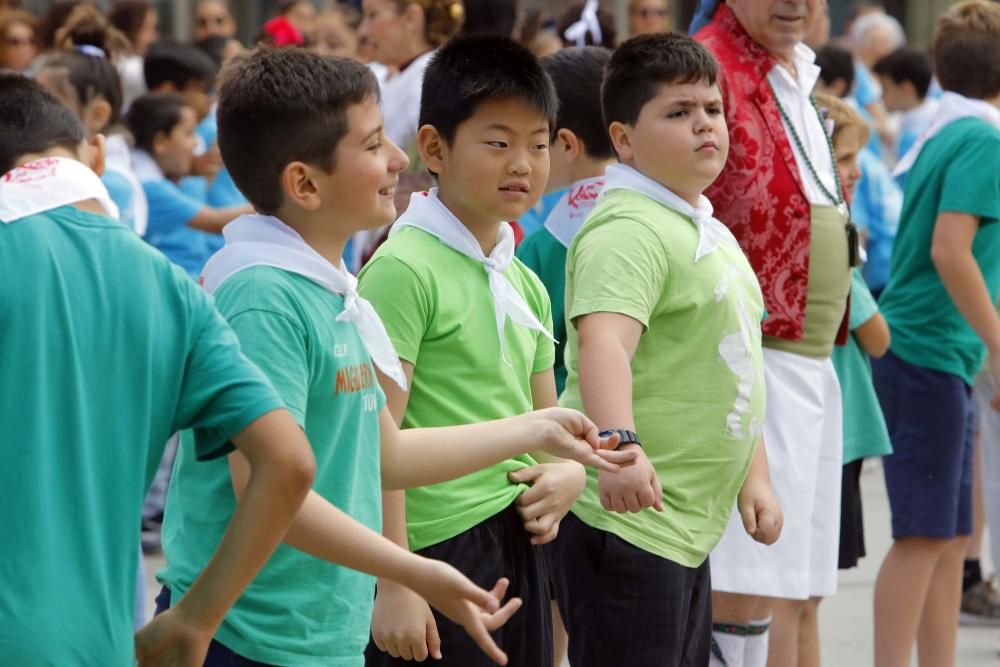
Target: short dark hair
[(129, 15), (178, 64), (641, 65), (577, 73), (152, 114), (966, 49), (907, 64), (472, 69), (32, 121), (835, 63), (278, 106)]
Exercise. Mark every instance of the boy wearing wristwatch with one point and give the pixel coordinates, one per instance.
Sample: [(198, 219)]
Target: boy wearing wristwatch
[(664, 348)]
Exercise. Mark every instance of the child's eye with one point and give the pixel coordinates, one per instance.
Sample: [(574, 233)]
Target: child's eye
[(541, 147), (375, 147), (681, 113), (497, 144), (714, 111)]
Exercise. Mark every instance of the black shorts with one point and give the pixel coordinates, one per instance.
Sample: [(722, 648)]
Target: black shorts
[(852, 525), (497, 547), (625, 606)]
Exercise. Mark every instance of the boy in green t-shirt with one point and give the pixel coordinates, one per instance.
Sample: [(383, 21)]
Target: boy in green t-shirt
[(107, 350), (579, 153), (471, 324), (314, 162), (940, 306), (664, 313)]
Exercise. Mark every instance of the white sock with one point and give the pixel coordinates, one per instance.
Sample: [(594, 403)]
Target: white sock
[(728, 645), (755, 653)]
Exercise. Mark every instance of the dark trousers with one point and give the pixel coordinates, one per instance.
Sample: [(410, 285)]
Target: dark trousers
[(625, 606), (218, 655), (497, 547)]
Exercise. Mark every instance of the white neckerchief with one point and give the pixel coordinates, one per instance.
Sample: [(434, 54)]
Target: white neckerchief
[(572, 209), (587, 25), (711, 232), (427, 213), (144, 167), (261, 240), (118, 158), (793, 94), (951, 107), (48, 183)]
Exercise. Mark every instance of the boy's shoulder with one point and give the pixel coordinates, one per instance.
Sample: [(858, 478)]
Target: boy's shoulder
[(628, 209), (270, 289), (415, 248), (963, 132)]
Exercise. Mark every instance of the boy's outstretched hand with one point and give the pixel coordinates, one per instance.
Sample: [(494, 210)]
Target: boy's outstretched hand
[(569, 434), (170, 641), (761, 512), (477, 610)]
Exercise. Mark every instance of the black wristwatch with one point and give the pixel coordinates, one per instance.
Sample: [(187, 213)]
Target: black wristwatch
[(625, 437)]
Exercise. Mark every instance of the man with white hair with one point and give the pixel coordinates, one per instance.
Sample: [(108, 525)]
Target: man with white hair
[(781, 196)]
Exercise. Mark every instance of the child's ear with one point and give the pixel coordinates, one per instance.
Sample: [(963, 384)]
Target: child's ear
[(571, 144), (93, 154), (96, 116), (300, 187), (621, 139), (432, 148)]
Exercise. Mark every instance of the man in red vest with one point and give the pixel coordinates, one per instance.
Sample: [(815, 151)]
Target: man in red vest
[(781, 196)]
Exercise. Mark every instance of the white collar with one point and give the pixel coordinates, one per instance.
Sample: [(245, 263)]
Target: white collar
[(806, 71), (429, 214), (951, 107), (262, 240), (144, 167), (711, 232), (569, 213), (48, 183)]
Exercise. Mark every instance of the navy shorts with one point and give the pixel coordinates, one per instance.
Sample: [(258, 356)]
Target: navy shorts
[(932, 423)]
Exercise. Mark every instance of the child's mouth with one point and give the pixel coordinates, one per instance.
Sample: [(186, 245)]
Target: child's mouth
[(515, 190)]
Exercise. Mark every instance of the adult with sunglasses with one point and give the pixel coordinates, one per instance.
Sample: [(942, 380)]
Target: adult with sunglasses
[(17, 40), (212, 18), (781, 196), (648, 16)]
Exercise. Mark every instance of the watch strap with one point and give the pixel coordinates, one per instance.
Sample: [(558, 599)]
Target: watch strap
[(625, 437)]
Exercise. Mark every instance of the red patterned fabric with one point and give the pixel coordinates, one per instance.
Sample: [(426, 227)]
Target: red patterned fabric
[(759, 194)]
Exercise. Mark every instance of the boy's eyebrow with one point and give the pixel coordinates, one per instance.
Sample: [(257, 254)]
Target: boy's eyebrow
[(504, 128), (372, 134), (688, 102)]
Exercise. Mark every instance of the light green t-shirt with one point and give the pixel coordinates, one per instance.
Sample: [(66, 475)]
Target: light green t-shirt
[(958, 171), (865, 431), (107, 350), (299, 610), (697, 374), (437, 307), (546, 256)]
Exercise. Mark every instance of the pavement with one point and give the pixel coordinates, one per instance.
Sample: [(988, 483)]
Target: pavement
[(846, 619)]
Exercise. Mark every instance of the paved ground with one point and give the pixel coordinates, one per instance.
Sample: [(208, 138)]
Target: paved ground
[(846, 619)]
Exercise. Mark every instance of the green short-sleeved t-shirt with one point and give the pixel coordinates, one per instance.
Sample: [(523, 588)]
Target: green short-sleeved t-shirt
[(437, 307), (546, 256), (299, 610), (108, 349), (697, 373), (958, 171), (865, 431)]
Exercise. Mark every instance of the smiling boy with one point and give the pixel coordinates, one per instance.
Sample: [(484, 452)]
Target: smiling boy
[(663, 313), (472, 325)]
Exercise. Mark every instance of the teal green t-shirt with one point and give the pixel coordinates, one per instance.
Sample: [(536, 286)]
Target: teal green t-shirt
[(958, 171), (697, 373), (437, 307), (546, 256), (865, 431), (299, 610), (108, 349)]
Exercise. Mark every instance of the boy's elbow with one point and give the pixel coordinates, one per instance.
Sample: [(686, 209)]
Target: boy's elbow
[(296, 467)]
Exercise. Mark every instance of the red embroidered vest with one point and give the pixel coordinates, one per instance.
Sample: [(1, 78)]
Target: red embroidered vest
[(759, 194)]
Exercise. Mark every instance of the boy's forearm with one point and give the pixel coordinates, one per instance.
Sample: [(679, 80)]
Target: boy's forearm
[(394, 522), (759, 472), (606, 383), (951, 252), (276, 485)]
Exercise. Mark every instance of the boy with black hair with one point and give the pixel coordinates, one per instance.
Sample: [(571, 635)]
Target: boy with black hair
[(76, 464), (579, 152), (317, 167), (663, 312), (940, 304), (472, 325), (836, 76), (905, 75), (183, 69)]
